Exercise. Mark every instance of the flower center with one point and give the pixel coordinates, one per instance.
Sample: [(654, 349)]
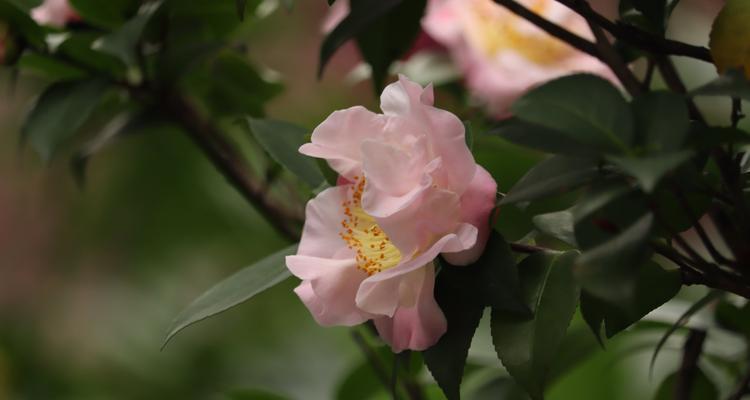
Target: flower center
[(496, 29), (360, 231)]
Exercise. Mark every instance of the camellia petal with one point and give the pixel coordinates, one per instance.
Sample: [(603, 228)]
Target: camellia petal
[(417, 327)]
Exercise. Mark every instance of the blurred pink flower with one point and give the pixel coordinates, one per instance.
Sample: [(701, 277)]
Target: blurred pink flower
[(54, 13), (409, 191), (502, 55)]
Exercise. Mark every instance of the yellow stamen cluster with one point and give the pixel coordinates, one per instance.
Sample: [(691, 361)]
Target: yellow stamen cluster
[(374, 250), (497, 30)]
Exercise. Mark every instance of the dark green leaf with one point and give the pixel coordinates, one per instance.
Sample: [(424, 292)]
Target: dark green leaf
[(610, 270), (540, 137), (387, 38), (109, 14), (732, 84), (528, 347), (330, 175), (586, 108), (684, 318), (282, 141), (462, 293), (363, 14), (604, 211), (235, 87), (78, 49), (558, 225), (733, 317), (123, 41), (21, 21), (662, 121), (59, 113), (654, 286), (234, 290), (701, 389), (51, 67), (650, 170), (556, 174)]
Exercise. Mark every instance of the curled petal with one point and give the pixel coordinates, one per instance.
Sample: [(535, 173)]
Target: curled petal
[(477, 204), (339, 137), (330, 293), (323, 216), (417, 327)]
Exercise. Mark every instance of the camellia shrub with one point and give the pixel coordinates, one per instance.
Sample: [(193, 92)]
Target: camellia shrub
[(406, 236)]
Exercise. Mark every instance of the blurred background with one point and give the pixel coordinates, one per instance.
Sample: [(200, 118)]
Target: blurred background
[(91, 277)]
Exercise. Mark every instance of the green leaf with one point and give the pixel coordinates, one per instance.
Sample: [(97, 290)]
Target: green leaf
[(731, 84), (654, 286), (469, 135), (462, 293), (586, 108), (109, 15), (540, 137), (363, 14), (556, 174), (650, 170), (529, 347), (709, 298), (234, 86), (59, 113), (78, 48), (604, 211), (234, 290), (558, 225), (732, 317), (282, 141), (123, 41), (360, 383), (21, 22), (701, 389), (51, 67), (389, 37), (610, 270), (662, 121)]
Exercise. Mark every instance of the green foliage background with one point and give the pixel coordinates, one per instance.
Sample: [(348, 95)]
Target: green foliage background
[(92, 277)]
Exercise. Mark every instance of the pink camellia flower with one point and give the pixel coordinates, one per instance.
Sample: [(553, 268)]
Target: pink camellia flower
[(409, 190), (502, 55), (54, 13)]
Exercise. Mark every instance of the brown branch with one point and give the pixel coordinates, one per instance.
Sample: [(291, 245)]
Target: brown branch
[(551, 28), (691, 353), (231, 164), (614, 61), (637, 37)]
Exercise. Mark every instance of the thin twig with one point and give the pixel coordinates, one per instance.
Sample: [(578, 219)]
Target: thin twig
[(528, 248), (637, 37), (613, 60), (372, 357), (550, 27), (691, 353)]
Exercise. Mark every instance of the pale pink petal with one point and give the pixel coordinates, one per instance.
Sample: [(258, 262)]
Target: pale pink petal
[(477, 204), (393, 170), (382, 204), (338, 139), (327, 311), (323, 216), (433, 214), (417, 327), (54, 13)]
